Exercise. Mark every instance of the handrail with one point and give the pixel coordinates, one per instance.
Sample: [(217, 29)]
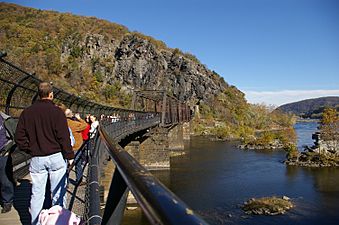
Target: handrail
[(93, 214), (160, 205)]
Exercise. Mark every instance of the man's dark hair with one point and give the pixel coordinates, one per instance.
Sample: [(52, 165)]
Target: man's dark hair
[(44, 89)]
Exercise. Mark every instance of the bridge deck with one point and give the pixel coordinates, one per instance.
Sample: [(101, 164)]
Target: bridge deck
[(19, 213)]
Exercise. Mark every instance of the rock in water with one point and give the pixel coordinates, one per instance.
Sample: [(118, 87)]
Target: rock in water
[(285, 198), (267, 205)]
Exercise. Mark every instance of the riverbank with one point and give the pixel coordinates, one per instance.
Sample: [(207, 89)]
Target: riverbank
[(272, 145), (271, 139), (255, 125), (275, 137), (313, 159)]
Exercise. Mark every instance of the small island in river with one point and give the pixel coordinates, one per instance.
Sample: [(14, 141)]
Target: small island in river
[(267, 206)]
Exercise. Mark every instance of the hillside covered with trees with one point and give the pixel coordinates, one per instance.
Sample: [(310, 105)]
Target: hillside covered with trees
[(311, 108), (104, 62)]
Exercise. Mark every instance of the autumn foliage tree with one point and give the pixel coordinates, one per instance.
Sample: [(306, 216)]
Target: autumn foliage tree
[(329, 125)]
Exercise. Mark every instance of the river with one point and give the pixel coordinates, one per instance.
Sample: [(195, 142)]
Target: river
[(304, 132), (215, 178)]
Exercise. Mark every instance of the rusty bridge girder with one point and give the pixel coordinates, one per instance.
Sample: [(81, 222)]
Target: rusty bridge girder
[(172, 110)]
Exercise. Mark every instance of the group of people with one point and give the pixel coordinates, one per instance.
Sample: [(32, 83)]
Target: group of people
[(80, 132), (52, 135)]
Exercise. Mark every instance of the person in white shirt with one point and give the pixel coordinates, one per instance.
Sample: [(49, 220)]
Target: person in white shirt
[(94, 126)]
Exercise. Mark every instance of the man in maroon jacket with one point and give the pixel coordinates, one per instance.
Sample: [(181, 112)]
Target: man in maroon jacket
[(43, 132)]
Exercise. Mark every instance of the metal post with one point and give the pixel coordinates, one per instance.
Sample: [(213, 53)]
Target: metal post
[(11, 92), (116, 200)]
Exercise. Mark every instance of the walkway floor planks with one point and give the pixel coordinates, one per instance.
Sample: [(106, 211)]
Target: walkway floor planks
[(20, 214)]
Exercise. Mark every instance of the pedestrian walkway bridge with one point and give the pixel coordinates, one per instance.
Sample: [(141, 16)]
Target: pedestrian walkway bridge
[(150, 109)]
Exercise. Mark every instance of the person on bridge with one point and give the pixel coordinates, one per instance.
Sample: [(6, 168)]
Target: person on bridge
[(94, 126), (43, 132), (85, 133), (77, 126), (6, 172)]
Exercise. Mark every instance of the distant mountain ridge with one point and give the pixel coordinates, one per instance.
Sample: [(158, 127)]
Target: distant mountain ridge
[(310, 107)]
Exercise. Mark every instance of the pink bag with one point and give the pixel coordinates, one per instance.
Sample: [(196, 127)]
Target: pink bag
[(57, 215)]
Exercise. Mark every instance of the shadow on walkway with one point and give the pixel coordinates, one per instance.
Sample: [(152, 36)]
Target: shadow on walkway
[(22, 197)]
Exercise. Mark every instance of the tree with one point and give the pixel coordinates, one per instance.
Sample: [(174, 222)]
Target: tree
[(329, 124)]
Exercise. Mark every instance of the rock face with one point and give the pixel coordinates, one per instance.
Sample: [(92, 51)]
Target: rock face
[(137, 64), (324, 146)]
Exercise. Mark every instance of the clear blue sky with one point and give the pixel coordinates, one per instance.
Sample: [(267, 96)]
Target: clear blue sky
[(260, 46)]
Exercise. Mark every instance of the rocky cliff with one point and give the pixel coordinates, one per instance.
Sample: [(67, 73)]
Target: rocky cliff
[(101, 60), (137, 63)]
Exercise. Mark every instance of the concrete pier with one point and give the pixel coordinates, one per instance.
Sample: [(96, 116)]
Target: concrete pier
[(155, 150)]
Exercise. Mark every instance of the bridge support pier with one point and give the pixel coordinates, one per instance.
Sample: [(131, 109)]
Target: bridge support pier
[(176, 138), (133, 149), (186, 130), (155, 150)]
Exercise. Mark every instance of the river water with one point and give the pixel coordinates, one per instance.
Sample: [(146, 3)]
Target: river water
[(304, 132), (215, 178)]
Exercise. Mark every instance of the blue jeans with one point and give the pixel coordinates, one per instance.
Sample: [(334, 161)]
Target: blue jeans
[(80, 161), (78, 165), (41, 167), (6, 185)]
